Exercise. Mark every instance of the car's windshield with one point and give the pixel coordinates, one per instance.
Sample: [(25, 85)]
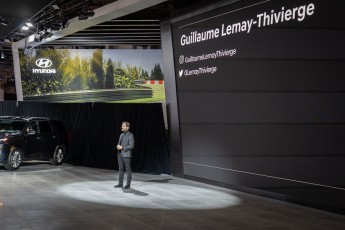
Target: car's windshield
[(11, 125)]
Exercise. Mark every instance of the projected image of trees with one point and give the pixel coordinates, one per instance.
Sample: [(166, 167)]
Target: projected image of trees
[(72, 78)]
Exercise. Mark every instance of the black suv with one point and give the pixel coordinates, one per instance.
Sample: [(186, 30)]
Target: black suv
[(33, 138)]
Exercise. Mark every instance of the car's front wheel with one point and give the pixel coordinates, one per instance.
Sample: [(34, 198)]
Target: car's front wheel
[(59, 155), (14, 160)]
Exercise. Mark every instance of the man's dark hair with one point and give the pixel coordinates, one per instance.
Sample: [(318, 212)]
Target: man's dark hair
[(126, 123)]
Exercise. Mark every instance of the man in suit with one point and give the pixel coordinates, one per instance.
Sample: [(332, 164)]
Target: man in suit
[(124, 155)]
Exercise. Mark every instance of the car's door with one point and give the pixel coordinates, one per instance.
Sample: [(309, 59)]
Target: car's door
[(49, 138), (33, 140)]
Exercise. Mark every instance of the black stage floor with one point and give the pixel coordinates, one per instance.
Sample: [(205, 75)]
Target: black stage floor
[(40, 196)]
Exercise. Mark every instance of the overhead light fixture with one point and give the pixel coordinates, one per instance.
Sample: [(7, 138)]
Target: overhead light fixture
[(62, 26), (29, 23), (3, 21), (56, 7), (86, 15), (37, 38), (64, 23), (46, 34), (67, 23), (25, 28)]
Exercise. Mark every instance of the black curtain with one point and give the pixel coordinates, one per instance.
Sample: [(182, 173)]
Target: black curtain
[(96, 127), (8, 108)]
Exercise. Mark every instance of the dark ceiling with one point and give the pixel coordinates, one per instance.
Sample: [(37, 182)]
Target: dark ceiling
[(17, 11), (141, 28), (14, 13), (41, 12)]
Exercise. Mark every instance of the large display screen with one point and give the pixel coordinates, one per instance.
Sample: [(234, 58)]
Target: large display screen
[(260, 89), (92, 75)]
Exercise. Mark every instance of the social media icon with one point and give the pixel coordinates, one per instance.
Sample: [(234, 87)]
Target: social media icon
[(180, 72), (181, 59)]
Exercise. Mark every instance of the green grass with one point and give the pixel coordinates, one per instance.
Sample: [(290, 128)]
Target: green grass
[(158, 96)]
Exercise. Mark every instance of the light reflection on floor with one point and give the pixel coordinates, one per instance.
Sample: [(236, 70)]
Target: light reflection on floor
[(47, 197), (150, 195)]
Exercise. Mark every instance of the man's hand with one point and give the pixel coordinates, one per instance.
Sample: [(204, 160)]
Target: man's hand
[(119, 147)]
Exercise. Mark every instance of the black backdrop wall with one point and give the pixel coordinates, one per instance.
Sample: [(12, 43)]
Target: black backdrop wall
[(95, 128), (261, 97)]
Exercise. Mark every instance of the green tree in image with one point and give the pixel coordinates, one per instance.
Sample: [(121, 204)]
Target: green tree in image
[(156, 73), (125, 77), (86, 73), (133, 73), (42, 83), (79, 73), (120, 78), (54, 82), (71, 75), (144, 74), (28, 80), (97, 68), (109, 75)]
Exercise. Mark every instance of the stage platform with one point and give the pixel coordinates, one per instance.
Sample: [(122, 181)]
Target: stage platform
[(40, 196)]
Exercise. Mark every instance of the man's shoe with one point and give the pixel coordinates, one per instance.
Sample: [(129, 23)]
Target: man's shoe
[(127, 186), (118, 186)]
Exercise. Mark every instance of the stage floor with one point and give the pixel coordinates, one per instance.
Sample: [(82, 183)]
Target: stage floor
[(40, 196)]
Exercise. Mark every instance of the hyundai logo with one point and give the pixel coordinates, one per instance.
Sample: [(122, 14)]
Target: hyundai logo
[(44, 63)]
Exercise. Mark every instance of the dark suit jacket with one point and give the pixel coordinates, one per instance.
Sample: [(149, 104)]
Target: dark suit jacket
[(127, 143)]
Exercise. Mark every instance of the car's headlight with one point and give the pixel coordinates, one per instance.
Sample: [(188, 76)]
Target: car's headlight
[(5, 139)]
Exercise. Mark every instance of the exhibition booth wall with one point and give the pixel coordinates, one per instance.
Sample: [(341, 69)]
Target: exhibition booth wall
[(256, 92), (90, 75)]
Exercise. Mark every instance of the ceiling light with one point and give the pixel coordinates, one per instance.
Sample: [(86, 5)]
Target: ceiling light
[(85, 15), (46, 34), (3, 21), (67, 23), (55, 6), (37, 38), (29, 24), (25, 28), (62, 26)]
